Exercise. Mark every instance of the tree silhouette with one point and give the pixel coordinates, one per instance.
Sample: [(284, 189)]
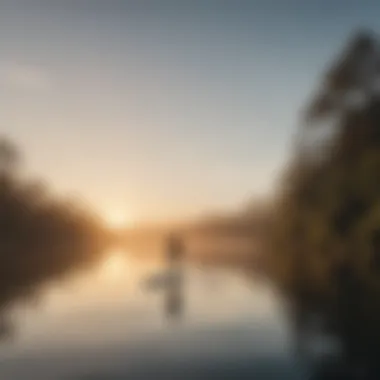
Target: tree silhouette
[(42, 237), (325, 243)]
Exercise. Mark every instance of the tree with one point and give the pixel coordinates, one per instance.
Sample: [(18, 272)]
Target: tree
[(326, 238), (42, 236)]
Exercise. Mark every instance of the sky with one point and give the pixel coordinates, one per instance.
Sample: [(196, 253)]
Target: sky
[(161, 109)]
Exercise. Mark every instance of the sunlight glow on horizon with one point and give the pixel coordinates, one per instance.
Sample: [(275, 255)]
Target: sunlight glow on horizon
[(118, 219)]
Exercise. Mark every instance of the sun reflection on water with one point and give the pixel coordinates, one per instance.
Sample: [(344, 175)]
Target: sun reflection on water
[(115, 266)]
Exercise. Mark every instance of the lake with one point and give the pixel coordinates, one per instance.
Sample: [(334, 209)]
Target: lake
[(107, 325)]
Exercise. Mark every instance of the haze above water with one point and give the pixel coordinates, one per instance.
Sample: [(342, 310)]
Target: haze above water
[(105, 324)]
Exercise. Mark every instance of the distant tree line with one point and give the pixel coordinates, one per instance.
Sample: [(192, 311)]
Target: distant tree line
[(42, 237)]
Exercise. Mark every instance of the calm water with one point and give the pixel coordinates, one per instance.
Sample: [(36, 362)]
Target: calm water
[(107, 325)]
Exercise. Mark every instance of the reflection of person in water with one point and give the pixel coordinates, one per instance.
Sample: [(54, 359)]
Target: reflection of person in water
[(174, 296)]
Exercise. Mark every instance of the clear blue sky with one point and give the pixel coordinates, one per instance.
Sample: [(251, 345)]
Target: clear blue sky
[(166, 110)]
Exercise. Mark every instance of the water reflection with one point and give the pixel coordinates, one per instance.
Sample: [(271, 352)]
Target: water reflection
[(7, 330), (115, 265), (110, 315)]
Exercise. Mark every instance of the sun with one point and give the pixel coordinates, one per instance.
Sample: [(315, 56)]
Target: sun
[(118, 219)]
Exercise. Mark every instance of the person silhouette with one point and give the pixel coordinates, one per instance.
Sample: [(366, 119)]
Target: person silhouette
[(174, 294), (171, 279), (175, 251)]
